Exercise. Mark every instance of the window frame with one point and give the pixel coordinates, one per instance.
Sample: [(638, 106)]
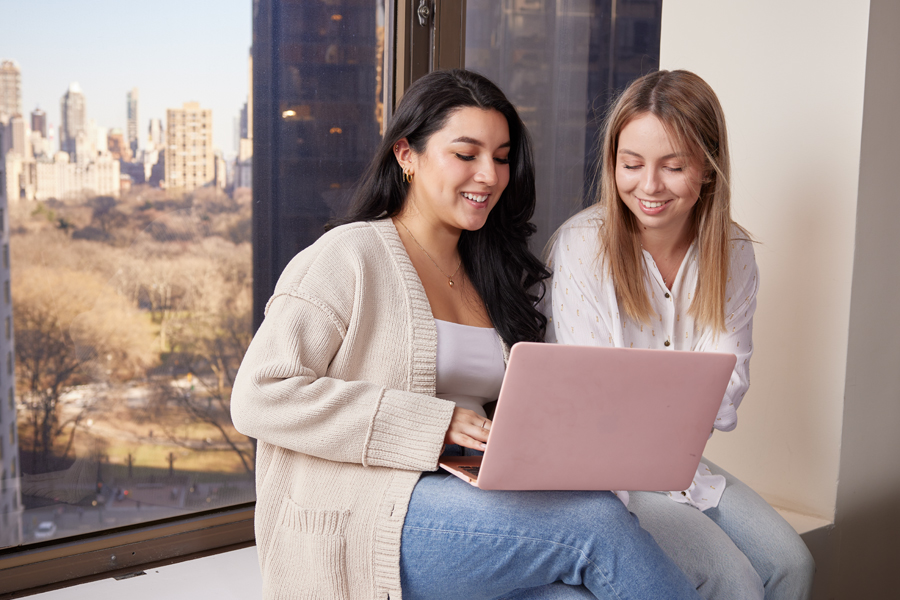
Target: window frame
[(42, 567)]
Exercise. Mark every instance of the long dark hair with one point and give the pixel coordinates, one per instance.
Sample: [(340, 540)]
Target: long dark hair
[(496, 258)]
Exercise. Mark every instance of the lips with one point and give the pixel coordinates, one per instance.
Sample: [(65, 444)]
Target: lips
[(653, 207), (477, 198), (651, 204)]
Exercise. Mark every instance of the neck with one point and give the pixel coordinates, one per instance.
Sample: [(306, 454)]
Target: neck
[(666, 243), (438, 240)]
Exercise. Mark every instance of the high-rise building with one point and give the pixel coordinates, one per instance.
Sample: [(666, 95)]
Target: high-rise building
[(156, 133), (10, 88), (243, 166), (61, 179), (10, 489), (5, 135), (19, 136), (40, 146), (39, 121), (134, 141), (115, 144), (190, 161), (247, 120), (73, 119)]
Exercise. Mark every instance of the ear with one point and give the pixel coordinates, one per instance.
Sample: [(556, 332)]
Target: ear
[(404, 155)]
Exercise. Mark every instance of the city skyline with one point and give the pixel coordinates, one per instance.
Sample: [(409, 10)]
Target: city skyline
[(110, 47)]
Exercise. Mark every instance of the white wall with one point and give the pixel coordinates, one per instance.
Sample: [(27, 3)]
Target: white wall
[(866, 541), (791, 77)]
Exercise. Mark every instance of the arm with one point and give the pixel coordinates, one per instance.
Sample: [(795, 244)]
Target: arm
[(283, 396), (740, 304)]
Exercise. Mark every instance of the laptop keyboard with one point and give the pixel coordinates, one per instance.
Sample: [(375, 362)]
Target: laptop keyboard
[(473, 471)]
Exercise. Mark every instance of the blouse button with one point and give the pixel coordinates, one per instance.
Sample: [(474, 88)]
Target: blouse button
[(667, 294), (684, 493), (666, 343)]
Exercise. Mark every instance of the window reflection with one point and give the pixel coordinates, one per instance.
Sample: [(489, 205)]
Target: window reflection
[(559, 62), (328, 93)]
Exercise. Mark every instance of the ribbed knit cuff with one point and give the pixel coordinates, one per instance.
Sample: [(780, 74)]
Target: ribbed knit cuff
[(408, 432)]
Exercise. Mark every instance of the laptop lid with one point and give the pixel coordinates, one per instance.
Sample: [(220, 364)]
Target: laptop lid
[(590, 418)]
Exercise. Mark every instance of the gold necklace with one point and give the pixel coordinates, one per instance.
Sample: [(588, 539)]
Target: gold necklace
[(449, 277)]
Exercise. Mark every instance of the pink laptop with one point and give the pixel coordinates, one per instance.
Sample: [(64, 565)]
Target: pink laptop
[(589, 418)]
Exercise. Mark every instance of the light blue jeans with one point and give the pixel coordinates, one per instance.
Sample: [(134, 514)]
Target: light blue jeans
[(460, 542), (741, 550)]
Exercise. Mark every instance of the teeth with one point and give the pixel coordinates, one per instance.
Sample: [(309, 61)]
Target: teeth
[(479, 198), (649, 204)]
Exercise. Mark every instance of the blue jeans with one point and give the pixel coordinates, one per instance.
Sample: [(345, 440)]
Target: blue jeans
[(460, 542), (741, 550)]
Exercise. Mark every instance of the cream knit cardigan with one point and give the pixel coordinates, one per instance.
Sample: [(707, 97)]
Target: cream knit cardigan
[(338, 388)]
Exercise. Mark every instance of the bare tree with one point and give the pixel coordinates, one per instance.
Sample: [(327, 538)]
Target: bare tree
[(208, 346), (71, 328)]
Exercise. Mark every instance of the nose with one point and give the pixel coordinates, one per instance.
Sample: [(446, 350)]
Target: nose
[(487, 172), (651, 182)]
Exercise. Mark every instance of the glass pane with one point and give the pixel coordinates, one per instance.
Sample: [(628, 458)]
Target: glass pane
[(128, 250), (329, 95), (559, 62)]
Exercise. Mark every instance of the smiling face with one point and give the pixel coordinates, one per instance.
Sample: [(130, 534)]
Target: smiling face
[(659, 184), (463, 171)]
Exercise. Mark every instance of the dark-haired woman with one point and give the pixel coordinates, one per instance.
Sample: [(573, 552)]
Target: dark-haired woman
[(659, 263), (381, 345)]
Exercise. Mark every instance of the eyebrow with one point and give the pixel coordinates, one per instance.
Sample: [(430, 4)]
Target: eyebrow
[(666, 157), (474, 142)]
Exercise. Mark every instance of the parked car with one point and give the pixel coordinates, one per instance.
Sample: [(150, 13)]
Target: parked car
[(47, 529)]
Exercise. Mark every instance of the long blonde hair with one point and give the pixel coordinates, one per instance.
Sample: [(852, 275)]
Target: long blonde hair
[(690, 111)]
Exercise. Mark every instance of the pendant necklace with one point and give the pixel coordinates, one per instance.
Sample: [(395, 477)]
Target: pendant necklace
[(449, 277)]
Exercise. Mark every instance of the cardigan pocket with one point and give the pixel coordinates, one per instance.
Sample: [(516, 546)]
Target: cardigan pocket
[(307, 559)]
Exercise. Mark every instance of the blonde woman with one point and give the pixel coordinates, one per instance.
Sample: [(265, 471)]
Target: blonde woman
[(659, 263)]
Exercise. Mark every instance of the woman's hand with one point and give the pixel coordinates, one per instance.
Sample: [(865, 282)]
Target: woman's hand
[(468, 429)]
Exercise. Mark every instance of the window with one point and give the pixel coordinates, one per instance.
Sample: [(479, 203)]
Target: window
[(129, 311), (312, 75), (588, 51), (322, 90)]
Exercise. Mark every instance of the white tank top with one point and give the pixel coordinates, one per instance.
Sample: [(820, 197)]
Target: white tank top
[(469, 365)]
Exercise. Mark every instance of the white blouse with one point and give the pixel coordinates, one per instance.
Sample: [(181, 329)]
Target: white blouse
[(583, 310)]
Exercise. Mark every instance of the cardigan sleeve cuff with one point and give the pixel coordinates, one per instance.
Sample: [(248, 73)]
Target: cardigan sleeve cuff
[(408, 431)]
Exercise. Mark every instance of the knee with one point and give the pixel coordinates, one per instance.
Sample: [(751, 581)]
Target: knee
[(794, 566), (728, 574)]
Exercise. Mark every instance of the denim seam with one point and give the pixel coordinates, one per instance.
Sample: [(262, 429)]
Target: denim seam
[(519, 537)]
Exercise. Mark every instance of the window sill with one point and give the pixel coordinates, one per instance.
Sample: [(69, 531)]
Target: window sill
[(228, 576), (802, 523), (43, 568)]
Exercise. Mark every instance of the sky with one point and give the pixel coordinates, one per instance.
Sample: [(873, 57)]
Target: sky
[(173, 51)]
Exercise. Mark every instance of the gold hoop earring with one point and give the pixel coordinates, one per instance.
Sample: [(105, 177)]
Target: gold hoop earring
[(407, 176)]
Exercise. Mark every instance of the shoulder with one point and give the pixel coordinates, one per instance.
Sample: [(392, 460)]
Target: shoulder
[(581, 231), (741, 248), (588, 219), (339, 256), (743, 276)]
